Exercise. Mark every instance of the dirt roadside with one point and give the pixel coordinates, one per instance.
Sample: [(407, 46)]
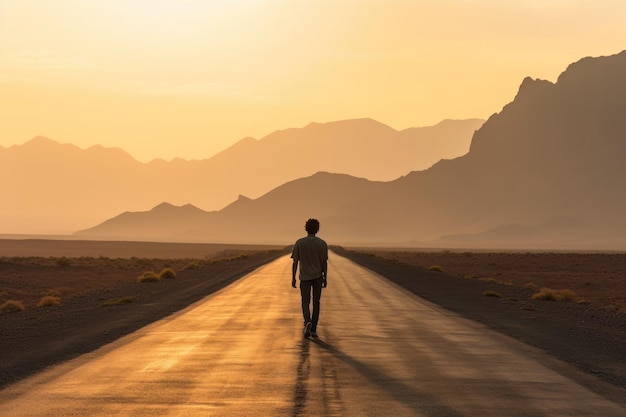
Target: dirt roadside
[(591, 338), (39, 337)]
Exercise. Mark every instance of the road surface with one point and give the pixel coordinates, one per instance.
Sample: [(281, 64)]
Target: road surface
[(240, 352)]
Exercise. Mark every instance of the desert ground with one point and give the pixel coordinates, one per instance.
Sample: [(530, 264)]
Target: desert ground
[(499, 289), (595, 278), (99, 297), (92, 295)]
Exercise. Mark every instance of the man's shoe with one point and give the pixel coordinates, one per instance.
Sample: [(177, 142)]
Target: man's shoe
[(314, 334), (307, 329)]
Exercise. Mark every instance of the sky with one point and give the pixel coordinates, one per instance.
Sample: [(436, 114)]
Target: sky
[(189, 78)]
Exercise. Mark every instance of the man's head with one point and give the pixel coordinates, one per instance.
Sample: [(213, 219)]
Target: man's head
[(312, 226)]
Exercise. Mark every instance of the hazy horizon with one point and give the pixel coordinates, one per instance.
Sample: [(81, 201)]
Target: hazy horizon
[(86, 146), (171, 78), (355, 90), (60, 188)]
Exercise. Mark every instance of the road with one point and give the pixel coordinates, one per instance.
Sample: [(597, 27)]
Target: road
[(240, 352)]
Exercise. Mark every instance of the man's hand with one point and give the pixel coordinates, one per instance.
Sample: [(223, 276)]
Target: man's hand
[(324, 283), (293, 282)]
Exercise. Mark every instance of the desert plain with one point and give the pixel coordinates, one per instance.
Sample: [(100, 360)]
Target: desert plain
[(94, 294)]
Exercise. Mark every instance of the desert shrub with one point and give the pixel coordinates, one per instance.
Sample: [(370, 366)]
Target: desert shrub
[(11, 306), (149, 276), (227, 257), (390, 260), (54, 293), (492, 294), (191, 265), (436, 268), (62, 262), (49, 301), (167, 273), (554, 295), (118, 301), (236, 257)]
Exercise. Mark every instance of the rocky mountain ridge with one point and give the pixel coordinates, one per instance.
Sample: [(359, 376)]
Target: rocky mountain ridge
[(59, 188), (545, 172)]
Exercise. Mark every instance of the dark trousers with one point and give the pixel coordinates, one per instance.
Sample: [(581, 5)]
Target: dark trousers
[(305, 290)]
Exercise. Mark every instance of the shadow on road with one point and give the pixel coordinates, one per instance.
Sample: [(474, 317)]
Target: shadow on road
[(410, 396), (304, 369)]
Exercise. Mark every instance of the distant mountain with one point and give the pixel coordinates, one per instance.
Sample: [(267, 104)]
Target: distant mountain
[(547, 171), (362, 148), (71, 188)]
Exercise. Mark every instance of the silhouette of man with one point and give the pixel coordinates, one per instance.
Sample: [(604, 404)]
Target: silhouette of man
[(311, 253)]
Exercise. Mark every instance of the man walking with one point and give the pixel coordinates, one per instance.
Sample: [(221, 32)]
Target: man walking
[(311, 253)]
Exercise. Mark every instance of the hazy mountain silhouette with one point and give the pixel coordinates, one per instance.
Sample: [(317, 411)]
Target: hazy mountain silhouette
[(74, 188), (546, 171)]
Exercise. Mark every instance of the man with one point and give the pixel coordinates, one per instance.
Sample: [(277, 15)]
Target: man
[(311, 253)]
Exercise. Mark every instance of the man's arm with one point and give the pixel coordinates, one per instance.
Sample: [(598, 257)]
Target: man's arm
[(295, 255), (325, 272)]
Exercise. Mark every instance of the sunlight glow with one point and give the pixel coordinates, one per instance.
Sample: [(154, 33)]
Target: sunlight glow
[(261, 65)]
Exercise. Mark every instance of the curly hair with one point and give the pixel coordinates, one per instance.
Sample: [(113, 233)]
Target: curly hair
[(312, 226)]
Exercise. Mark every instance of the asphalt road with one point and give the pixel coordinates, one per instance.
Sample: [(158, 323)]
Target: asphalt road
[(240, 352)]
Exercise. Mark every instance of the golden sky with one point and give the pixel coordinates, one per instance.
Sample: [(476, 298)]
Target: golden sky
[(188, 78)]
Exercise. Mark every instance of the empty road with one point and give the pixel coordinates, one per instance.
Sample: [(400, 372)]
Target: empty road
[(240, 352)]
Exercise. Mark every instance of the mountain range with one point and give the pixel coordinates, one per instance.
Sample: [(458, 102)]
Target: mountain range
[(547, 171), (72, 188)]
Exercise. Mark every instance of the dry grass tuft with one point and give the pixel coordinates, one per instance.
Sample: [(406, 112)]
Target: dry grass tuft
[(62, 262), (54, 293), (436, 268), (149, 276), (11, 306), (49, 301), (167, 273), (554, 295), (492, 294), (118, 301), (238, 257), (191, 265)]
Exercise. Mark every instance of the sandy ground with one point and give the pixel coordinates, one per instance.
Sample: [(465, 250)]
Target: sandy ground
[(589, 331)]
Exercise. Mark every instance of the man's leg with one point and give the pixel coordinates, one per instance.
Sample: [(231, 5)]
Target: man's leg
[(317, 295), (305, 292)]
